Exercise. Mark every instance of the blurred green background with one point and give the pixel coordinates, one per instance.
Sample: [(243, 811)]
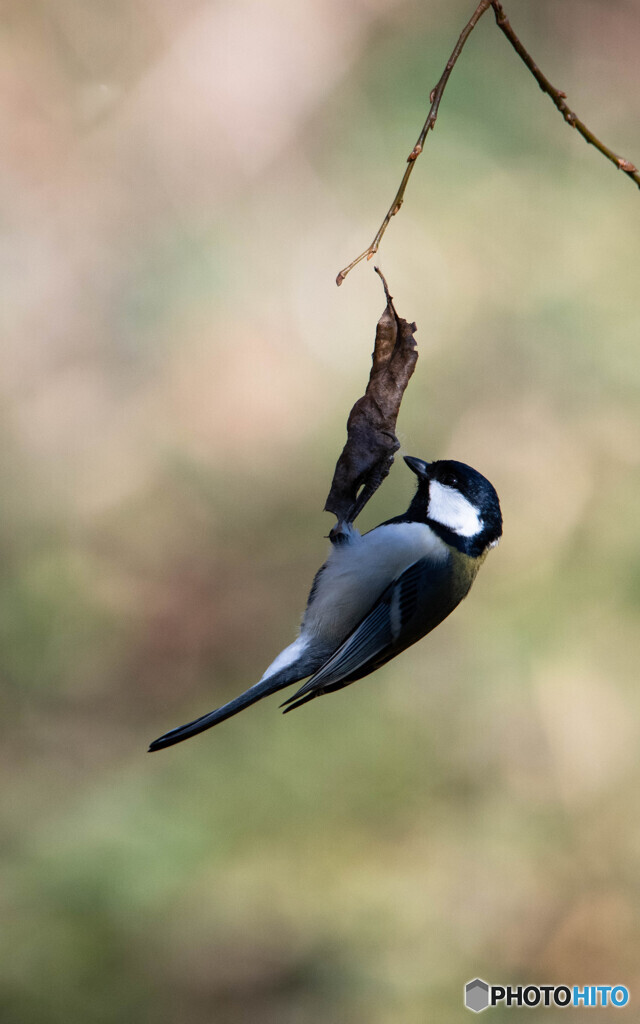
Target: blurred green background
[(181, 182)]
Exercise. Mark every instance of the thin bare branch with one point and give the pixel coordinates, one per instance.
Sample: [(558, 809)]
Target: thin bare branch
[(559, 97), (436, 96), (556, 95)]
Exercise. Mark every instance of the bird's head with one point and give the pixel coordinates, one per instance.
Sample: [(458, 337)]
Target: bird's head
[(458, 502)]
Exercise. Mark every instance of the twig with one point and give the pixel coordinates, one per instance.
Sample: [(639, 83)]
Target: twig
[(435, 97), (559, 97), (556, 95), (371, 440)]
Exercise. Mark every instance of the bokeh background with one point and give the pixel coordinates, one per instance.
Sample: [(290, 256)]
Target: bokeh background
[(181, 181)]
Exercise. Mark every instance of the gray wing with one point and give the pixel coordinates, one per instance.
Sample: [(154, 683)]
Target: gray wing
[(414, 604)]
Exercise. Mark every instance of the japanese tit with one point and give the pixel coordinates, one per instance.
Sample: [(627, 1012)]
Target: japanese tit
[(379, 592)]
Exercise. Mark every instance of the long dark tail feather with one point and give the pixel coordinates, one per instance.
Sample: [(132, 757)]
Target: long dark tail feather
[(250, 696), (289, 706)]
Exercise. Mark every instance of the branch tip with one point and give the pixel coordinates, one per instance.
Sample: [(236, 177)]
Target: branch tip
[(384, 285)]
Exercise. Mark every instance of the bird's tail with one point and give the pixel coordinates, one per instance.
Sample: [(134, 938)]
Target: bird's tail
[(250, 696)]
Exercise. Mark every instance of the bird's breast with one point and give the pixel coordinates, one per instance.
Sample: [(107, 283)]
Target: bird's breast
[(356, 574)]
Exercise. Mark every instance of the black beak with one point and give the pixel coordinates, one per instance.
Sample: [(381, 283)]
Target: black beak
[(419, 466)]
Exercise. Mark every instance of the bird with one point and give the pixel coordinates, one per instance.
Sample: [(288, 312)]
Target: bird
[(381, 591)]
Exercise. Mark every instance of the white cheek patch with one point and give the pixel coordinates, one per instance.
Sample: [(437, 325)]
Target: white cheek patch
[(451, 509)]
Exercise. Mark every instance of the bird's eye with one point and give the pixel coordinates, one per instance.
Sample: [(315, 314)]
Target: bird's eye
[(449, 479)]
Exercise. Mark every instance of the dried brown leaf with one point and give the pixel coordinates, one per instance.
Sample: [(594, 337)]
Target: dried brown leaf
[(371, 444)]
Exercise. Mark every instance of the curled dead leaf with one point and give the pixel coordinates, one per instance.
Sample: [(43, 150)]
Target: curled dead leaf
[(371, 444)]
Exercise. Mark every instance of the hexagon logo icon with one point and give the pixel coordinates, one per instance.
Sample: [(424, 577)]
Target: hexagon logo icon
[(476, 995)]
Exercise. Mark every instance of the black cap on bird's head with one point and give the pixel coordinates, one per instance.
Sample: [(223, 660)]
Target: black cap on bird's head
[(457, 502)]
